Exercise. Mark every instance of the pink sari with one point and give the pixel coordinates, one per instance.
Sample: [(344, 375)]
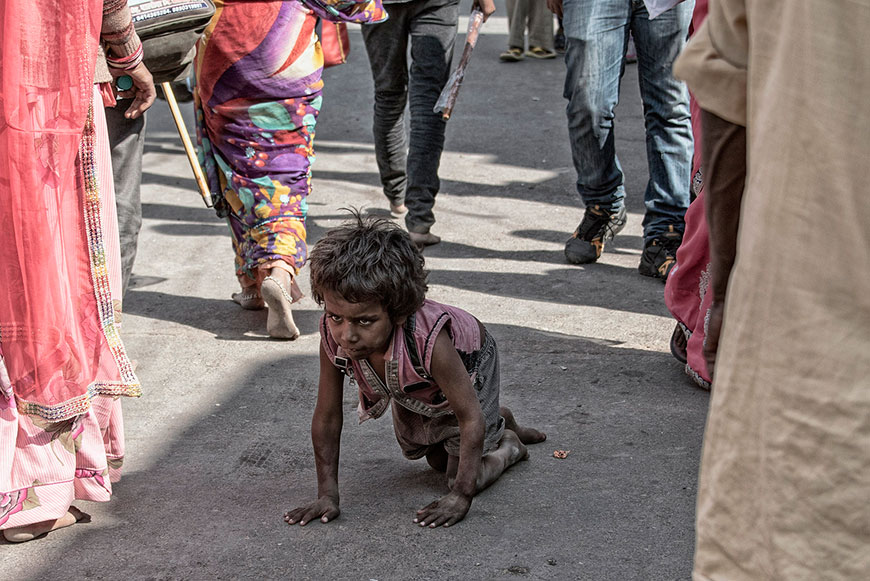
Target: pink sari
[(61, 360), (686, 293)]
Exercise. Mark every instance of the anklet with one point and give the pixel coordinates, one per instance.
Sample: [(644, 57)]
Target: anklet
[(280, 286)]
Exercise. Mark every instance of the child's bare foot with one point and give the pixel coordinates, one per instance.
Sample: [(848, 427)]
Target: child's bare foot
[(32, 531), (510, 451), (515, 448), (526, 435)]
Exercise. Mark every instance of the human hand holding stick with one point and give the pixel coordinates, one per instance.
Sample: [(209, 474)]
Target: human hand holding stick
[(447, 99)]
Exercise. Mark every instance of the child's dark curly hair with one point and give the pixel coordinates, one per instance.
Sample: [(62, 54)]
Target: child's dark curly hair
[(367, 260)]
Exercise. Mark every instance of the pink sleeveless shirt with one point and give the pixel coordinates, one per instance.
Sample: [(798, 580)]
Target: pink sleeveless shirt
[(409, 356)]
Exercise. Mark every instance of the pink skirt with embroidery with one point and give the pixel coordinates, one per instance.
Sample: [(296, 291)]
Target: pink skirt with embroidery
[(45, 466)]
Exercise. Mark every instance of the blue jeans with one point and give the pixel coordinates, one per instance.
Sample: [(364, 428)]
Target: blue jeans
[(597, 34), (409, 168)]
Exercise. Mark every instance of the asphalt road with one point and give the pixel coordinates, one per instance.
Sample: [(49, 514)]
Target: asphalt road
[(218, 446)]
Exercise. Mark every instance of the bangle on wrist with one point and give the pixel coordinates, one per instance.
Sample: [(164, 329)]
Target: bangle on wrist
[(128, 62)]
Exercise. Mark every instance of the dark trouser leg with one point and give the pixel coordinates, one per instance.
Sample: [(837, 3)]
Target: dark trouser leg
[(433, 35), (387, 47), (127, 140)]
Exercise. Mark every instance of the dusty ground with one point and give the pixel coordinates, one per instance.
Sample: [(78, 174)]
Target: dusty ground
[(218, 446)]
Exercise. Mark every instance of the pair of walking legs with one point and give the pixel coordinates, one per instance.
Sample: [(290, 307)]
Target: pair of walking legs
[(408, 164), (597, 33)]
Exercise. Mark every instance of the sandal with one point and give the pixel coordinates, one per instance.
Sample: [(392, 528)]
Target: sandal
[(539, 52), (679, 344), (511, 55), (36, 530)]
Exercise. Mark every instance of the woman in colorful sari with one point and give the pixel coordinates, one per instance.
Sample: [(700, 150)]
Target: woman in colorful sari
[(62, 363), (258, 77)]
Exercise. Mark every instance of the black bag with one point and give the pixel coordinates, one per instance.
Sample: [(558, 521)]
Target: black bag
[(169, 30)]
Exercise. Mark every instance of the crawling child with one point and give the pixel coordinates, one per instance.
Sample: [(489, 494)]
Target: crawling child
[(435, 364)]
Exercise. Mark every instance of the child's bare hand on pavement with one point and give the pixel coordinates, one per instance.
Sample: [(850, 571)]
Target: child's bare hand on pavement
[(324, 508), (447, 510)]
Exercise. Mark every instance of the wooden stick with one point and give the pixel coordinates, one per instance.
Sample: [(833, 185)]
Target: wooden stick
[(474, 24), (188, 146)]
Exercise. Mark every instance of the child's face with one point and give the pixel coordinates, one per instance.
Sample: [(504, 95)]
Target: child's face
[(362, 329)]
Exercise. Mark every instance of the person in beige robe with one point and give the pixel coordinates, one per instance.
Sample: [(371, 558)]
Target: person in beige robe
[(784, 488)]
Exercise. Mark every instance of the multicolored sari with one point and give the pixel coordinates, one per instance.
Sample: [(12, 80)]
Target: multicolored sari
[(258, 74)]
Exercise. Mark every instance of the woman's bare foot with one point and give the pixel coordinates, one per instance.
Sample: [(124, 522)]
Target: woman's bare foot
[(276, 291), (249, 299), (32, 531), (526, 435)]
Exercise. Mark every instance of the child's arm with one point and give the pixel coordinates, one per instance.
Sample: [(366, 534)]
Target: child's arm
[(449, 373), (326, 437)]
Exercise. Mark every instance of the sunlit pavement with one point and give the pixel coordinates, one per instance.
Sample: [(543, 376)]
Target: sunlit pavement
[(218, 447)]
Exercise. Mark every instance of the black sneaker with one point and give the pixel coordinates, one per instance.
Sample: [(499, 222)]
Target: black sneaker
[(660, 254), (598, 226)]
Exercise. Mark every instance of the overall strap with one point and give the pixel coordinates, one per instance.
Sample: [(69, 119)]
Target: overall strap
[(411, 347)]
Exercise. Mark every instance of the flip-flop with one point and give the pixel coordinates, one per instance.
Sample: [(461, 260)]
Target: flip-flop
[(538, 52), (30, 532), (511, 55)]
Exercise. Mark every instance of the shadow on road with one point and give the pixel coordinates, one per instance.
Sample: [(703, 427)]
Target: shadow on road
[(210, 505)]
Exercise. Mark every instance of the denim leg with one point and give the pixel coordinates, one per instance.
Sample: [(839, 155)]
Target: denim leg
[(597, 34), (387, 48), (433, 34), (127, 140), (667, 117)]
